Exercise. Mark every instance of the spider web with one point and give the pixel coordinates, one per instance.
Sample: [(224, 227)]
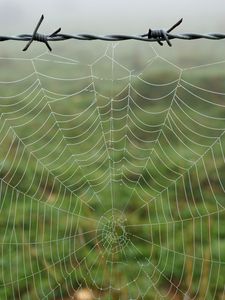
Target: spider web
[(111, 177)]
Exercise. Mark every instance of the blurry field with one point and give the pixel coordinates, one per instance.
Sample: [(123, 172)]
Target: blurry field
[(69, 155)]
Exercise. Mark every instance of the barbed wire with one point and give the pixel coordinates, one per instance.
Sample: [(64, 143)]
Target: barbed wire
[(159, 36)]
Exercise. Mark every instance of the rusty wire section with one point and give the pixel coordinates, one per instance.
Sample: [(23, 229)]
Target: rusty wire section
[(159, 36)]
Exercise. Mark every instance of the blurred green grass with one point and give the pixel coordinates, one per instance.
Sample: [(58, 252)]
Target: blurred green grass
[(43, 234)]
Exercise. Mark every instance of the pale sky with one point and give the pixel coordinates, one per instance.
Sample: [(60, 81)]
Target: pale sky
[(114, 16)]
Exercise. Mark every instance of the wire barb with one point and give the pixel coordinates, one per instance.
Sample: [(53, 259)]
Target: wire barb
[(162, 35), (41, 37)]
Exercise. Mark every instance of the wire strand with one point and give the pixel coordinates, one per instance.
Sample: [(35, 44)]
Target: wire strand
[(158, 36)]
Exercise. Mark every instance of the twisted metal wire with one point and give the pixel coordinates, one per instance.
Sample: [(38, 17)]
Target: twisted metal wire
[(158, 36)]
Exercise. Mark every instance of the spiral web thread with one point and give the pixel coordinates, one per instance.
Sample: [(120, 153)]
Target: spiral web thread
[(111, 178)]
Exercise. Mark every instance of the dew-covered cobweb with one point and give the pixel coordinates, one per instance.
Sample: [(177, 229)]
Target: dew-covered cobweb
[(111, 176)]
